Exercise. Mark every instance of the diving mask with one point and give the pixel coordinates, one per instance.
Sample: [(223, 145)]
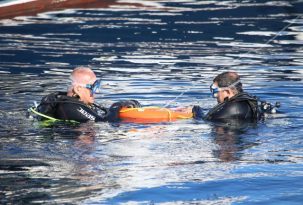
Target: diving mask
[(95, 87), (214, 90)]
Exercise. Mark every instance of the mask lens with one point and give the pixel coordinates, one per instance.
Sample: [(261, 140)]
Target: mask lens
[(94, 88), (214, 91)]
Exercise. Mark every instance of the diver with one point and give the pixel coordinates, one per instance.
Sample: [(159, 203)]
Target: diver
[(234, 105), (78, 103)]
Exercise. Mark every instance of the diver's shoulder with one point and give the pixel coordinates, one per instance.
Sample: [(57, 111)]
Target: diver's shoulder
[(236, 107), (244, 96)]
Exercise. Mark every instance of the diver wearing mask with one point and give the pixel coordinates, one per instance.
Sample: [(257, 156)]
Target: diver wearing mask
[(77, 103), (233, 103)]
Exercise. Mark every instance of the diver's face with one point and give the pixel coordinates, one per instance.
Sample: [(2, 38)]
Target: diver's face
[(221, 93), (84, 92), (88, 96)]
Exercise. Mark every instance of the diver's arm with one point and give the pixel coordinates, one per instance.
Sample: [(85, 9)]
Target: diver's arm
[(230, 110)]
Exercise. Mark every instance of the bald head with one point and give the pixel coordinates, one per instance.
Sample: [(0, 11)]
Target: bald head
[(82, 76)]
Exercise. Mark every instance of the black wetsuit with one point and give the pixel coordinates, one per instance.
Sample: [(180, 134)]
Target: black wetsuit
[(60, 106), (241, 107)]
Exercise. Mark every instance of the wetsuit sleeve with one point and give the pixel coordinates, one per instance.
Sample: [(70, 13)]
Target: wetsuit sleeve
[(232, 110)]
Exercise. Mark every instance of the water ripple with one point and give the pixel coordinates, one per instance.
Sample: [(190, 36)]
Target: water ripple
[(153, 51)]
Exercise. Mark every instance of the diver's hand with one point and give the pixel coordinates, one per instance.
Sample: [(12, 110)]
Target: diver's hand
[(126, 103), (115, 108), (197, 112)]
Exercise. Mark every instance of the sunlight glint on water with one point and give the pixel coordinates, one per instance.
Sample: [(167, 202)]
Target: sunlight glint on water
[(152, 51)]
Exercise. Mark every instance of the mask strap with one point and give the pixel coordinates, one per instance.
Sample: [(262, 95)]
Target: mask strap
[(234, 84), (230, 86)]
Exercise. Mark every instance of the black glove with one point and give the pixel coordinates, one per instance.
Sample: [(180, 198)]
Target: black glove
[(115, 108), (197, 112)]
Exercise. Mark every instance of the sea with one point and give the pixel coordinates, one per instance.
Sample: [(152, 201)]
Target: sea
[(163, 53)]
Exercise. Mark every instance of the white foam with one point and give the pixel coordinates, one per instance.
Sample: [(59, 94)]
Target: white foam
[(266, 33), (288, 42), (151, 59), (142, 59), (10, 3), (4, 72), (245, 45), (144, 3)]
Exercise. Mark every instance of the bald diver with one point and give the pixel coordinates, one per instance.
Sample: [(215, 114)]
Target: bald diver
[(78, 103)]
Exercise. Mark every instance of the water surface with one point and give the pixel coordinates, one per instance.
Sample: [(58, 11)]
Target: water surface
[(152, 51)]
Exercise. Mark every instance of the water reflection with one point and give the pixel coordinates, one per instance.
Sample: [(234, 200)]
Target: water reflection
[(152, 53), (54, 161), (231, 140)]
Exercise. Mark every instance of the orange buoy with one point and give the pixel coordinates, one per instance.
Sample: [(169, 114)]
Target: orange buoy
[(153, 114)]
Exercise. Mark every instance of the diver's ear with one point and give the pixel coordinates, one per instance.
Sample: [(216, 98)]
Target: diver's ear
[(228, 91), (77, 89)]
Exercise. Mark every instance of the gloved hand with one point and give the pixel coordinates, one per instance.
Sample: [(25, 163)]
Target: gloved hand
[(197, 112), (125, 103), (116, 107)]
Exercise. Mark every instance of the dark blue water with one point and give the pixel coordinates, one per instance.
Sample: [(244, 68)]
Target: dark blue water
[(152, 51)]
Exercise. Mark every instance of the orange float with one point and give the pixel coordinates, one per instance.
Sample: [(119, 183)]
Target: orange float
[(153, 114)]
